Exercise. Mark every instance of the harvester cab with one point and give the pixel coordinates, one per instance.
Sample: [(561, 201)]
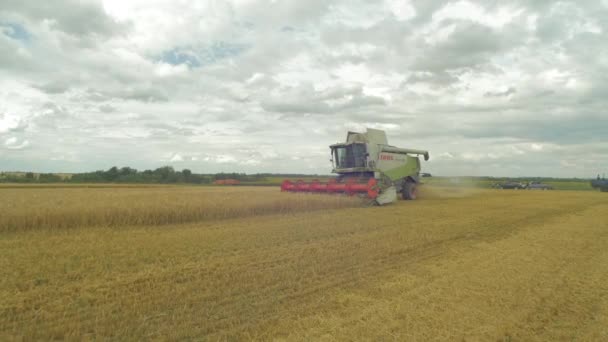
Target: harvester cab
[(367, 164)]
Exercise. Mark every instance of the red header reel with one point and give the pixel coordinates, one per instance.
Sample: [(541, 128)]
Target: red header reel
[(349, 186)]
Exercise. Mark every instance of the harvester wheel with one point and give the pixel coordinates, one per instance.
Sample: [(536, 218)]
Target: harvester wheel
[(410, 191)]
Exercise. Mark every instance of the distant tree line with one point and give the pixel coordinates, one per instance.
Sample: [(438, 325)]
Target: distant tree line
[(168, 175), (243, 177), (290, 175), (30, 177), (161, 175)]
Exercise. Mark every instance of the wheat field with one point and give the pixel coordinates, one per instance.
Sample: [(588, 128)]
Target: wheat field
[(35, 207), (458, 264)]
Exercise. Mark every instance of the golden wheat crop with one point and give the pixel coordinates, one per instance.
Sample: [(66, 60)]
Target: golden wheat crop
[(455, 265), (26, 208)]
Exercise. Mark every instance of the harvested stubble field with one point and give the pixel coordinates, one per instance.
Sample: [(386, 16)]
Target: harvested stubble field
[(454, 265)]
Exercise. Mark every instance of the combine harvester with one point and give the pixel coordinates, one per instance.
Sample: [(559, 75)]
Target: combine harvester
[(367, 165)]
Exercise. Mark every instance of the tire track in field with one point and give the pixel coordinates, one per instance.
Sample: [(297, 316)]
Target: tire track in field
[(587, 270), (398, 260), (542, 321)]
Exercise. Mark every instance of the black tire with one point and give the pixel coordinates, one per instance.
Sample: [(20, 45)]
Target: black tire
[(410, 191)]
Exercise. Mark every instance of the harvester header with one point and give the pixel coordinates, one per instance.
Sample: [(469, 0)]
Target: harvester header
[(366, 164)]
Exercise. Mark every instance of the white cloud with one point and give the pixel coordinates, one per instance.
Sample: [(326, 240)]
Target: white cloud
[(401, 9), (165, 69), (467, 10), (225, 159), (176, 158), (13, 143), (536, 147), (266, 86), (10, 122)]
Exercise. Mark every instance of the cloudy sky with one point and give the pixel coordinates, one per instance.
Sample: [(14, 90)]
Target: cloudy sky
[(513, 88)]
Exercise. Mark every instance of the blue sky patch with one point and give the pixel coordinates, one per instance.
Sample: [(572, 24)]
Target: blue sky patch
[(197, 57), (15, 31), (176, 57)]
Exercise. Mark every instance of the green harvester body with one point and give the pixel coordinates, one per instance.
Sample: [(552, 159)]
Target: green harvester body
[(367, 164)]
